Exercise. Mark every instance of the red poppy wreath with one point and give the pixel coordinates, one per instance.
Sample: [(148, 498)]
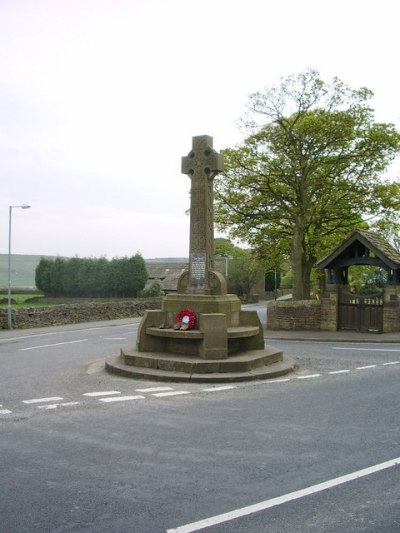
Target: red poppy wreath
[(185, 319)]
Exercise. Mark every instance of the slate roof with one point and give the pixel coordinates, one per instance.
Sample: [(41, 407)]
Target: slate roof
[(374, 242), (167, 273)]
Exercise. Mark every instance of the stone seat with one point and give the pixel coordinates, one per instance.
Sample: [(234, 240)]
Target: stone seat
[(237, 332), (243, 331), (175, 334)]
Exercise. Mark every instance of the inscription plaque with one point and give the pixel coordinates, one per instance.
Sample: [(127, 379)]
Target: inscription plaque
[(197, 269)]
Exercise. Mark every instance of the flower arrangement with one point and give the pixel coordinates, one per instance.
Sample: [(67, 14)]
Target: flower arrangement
[(185, 319)]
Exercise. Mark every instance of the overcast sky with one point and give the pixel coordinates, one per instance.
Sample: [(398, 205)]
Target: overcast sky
[(99, 99)]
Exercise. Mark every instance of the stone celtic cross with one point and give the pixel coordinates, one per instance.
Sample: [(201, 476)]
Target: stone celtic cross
[(202, 164)]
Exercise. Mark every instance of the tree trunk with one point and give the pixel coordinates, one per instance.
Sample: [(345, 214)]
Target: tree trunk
[(301, 268)]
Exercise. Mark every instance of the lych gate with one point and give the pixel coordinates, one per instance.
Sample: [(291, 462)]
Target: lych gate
[(368, 313)]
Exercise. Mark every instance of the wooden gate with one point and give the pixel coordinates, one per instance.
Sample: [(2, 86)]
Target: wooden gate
[(360, 312)]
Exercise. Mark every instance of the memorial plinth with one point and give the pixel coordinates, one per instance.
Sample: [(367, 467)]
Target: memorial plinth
[(226, 342)]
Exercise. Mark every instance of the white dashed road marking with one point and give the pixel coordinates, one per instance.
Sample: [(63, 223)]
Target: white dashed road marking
[(172, 393), (111, 396), (121, 398), (101, 393), (43, 400), (55, 405), (155, 389), (217, 389)]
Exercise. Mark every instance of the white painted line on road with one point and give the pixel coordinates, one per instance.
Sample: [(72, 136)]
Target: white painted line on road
[(51, 345), (49, 333), (5, 412), (121, 398), (281, 380), (223, 387), (155, 389), (391, 363), (130, 324), (42, 400), (101, 393), (173, 393), (365, 367), (333, 372), (55, 405), (267, 504), (366, 349), (309, 376)]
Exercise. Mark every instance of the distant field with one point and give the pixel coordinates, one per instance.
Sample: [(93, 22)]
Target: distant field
[(22, 270)]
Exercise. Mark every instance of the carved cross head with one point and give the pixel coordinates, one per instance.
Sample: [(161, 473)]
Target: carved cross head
[(202, 161)]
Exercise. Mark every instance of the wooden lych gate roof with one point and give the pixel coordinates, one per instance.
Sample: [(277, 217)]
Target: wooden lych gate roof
[(363, 248)]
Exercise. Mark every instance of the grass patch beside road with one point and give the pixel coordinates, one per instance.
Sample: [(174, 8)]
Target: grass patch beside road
[(39, 300), (23, 300)]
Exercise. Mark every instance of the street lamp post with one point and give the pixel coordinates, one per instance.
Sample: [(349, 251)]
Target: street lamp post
[(9, 310)]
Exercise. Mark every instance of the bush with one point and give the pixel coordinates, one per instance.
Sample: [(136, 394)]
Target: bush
[(154, 290)]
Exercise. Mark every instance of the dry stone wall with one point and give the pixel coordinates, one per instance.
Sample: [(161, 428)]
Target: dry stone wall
[(36, 317)]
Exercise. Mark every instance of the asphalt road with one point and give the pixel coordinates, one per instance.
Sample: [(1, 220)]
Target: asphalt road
[(82, 450)]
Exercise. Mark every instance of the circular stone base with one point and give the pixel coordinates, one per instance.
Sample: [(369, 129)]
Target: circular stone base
[(256, 364)]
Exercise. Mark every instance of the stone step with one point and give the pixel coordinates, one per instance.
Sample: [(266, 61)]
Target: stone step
[(172, 371), (193, 364)]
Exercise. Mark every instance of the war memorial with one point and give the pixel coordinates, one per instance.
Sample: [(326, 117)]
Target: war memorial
[(201, 334)]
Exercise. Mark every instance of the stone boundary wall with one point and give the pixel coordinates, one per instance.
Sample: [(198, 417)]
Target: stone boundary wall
[(294, 315), (391, 318), (36, 317), (321, 315)]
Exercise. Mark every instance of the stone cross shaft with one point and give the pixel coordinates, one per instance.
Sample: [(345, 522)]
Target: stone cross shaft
[(202, 164)]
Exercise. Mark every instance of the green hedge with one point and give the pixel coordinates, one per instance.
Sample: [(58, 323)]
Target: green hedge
[(91, 278)]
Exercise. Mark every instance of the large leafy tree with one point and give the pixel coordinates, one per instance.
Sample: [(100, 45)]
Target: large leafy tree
[(309, 172), (243, 268)]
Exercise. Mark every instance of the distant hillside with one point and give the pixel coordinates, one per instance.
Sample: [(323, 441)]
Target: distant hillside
[(168, 260), (23, 269)]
